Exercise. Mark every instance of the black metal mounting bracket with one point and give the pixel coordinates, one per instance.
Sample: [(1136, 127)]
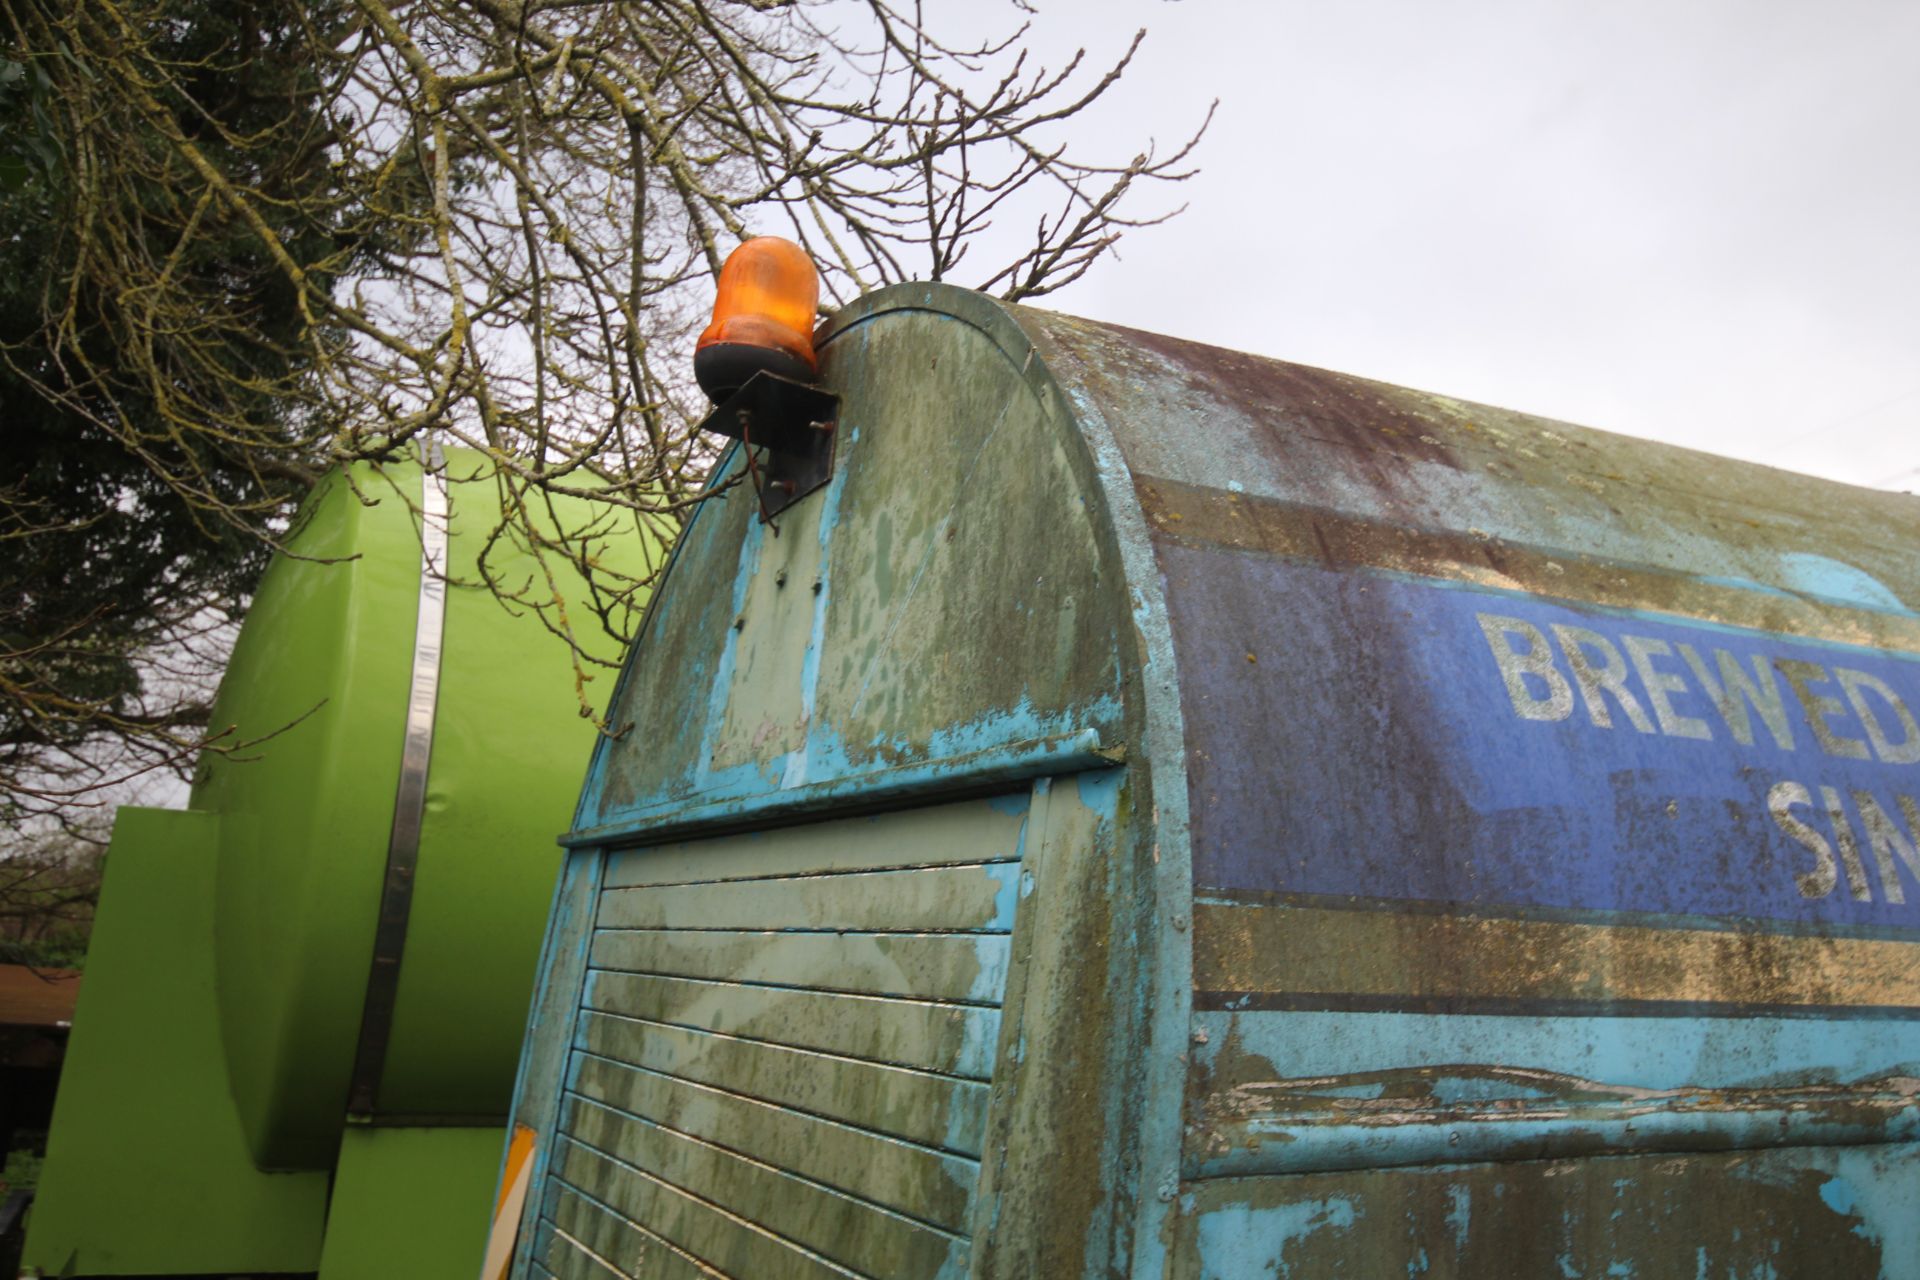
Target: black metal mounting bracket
[(792, 423)]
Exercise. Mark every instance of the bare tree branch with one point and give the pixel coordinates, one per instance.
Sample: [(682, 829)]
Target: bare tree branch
[(492, 223)]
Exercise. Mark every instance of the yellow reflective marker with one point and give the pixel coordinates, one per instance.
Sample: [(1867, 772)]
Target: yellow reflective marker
[(506, 1209)]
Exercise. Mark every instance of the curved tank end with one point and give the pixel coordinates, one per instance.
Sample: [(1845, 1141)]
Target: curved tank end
[(315, 705)]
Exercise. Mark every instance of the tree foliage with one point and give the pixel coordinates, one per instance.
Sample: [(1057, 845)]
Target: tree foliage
[(48, 893), (251, 240), (147, 342)]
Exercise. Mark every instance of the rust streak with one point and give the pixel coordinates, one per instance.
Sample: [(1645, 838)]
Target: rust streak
[(1195, 516), (1316, 951)]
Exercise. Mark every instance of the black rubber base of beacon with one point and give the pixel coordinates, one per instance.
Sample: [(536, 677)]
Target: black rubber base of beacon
[(724, 367), (791, 426)]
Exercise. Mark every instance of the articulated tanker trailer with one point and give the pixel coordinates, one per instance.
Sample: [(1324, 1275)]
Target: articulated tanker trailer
[(1110, 806)]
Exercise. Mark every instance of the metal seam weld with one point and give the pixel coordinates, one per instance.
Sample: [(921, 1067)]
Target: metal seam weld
[(410, 798)]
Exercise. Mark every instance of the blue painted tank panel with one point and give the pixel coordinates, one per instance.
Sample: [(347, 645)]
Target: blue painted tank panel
[(1436, 745), (1496, 850)]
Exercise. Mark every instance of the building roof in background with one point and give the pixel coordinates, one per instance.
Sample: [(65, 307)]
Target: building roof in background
[(31, 997)]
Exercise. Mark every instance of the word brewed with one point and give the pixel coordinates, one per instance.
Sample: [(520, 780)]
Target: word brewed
[(1605, 676), (1679, 691)]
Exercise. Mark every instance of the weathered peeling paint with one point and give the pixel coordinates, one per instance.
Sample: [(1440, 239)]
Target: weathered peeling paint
[(1249, 472), (1012, 762), (1240, 1239), (1452, 558), (790, 1029), (1163, 986), (1074, 969), (545, 1068), (880, 566), (1784, 1213), (1659, 1055), (1353, 932), (1216, 420), (1303, 954)]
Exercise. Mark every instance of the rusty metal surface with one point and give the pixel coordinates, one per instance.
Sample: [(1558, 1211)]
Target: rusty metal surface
[(948, 617), (1331, 443), (1785, 1214), (882, 623), (1435, 812), (1551, 792), (1187, 515)]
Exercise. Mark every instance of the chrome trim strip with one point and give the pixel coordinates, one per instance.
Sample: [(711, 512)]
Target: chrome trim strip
[(410, 797)]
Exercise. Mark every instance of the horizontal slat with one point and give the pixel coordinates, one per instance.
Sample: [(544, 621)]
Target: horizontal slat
[(563, 1256), (969, 831), (933, 1186), (563, 1259), (922, 900), (957, 1039), (856, 1233), (581, 1240), (884, 1246), (720, 1240), (929, 966), (938, 1111)]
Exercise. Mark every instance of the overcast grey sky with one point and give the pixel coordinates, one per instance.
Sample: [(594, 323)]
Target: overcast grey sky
[(1697, 221)]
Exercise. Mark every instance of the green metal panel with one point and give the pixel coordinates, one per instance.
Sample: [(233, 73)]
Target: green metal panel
[(509, 749), (306, 816), (410, 1202), (147, 1168), (285, 889)]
